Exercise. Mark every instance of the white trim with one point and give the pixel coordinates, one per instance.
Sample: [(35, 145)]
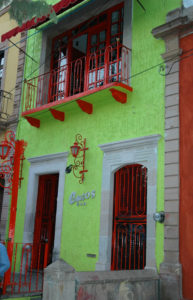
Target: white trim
[(47, 164), (143, 151)]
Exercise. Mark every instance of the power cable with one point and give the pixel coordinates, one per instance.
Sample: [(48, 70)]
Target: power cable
[(23, 51)]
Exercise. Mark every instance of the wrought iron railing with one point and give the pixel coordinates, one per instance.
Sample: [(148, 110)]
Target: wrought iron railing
[(86, 73), (5, 100), (25, 276)]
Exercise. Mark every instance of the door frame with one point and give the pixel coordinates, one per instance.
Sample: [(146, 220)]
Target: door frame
[(42, 165), (144, 151)]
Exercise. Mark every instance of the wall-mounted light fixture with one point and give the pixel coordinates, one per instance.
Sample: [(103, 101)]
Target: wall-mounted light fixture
[(159, 216), (11, 157), (4, 149), (78, 152)]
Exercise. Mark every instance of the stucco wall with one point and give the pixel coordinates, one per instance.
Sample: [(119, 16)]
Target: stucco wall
[(142, 115)]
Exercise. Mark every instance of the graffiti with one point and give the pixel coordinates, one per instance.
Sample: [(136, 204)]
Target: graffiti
[(83, 295)]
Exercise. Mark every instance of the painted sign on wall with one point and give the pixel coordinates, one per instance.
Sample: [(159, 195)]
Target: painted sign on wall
[(81, 200)]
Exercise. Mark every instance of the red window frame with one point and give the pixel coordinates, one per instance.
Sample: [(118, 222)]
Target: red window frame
[(111, 40)]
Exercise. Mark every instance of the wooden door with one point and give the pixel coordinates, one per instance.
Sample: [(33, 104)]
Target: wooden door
[(129, 218), (45, 218)]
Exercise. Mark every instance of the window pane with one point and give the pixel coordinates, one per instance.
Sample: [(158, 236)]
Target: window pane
[(94, 22), (93, 49), (102, 46), (93, 39), (114, 29), (102, 18), (64, 40), (115, 16), (1, 61), (102, 36), (113, 40)]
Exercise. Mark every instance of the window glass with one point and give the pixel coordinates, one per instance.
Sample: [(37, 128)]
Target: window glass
[(102, 18), (102, 36), (1, 66), (115, 16), (114, 29), (93, 39)]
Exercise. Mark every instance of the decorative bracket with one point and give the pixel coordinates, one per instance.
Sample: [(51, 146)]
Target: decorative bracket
[(57, 114), (33, 121), (85, 106), (119, 96), (13, 161)]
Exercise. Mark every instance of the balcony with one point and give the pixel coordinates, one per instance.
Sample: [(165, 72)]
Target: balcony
[(5, 101), (74, 80)]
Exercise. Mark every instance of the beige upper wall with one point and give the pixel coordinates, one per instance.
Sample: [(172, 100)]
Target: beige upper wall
[(11, 55)]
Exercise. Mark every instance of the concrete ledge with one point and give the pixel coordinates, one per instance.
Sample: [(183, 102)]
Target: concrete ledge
[(109, 276)]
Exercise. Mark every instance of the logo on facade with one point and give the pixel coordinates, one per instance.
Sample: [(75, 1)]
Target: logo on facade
[(82, 199)]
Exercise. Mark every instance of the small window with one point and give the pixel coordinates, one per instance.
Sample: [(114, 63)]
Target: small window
[(1, 66)]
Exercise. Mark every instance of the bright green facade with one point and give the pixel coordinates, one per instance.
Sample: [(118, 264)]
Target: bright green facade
[(142, 115)]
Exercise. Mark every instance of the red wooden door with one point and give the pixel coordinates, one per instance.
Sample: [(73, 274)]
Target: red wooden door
[(45, 218), (129, 218)]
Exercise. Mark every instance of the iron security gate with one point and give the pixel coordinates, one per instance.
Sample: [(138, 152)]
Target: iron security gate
[(129, 218)]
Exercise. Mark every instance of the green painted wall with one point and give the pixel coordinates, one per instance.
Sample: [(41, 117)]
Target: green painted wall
[(142, 115)]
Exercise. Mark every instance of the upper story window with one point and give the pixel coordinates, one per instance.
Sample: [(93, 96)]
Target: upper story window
[(80, 55), (1, 67), (86, 57)]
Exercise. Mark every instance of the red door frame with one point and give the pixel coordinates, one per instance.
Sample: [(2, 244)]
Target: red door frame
[(44, 228), (129, 218)]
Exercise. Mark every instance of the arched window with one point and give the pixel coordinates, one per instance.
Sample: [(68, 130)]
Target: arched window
[(129, 218)]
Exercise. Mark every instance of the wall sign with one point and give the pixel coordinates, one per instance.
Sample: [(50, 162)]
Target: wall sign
[(81, 200)]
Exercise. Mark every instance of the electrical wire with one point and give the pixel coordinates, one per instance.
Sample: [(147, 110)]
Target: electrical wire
[(23, 51)]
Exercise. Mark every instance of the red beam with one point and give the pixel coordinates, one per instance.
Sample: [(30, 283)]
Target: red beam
[(85, 106), (33, 121), (19, 150), (119, 96), (57, 114)]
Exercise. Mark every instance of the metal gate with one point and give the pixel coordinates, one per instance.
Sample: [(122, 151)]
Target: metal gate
[(129, 218)]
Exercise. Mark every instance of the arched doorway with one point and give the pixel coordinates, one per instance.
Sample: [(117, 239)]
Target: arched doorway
[(129, 218)]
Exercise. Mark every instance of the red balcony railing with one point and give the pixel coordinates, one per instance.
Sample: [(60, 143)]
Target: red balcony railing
[(25, 275), (86, 73)]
